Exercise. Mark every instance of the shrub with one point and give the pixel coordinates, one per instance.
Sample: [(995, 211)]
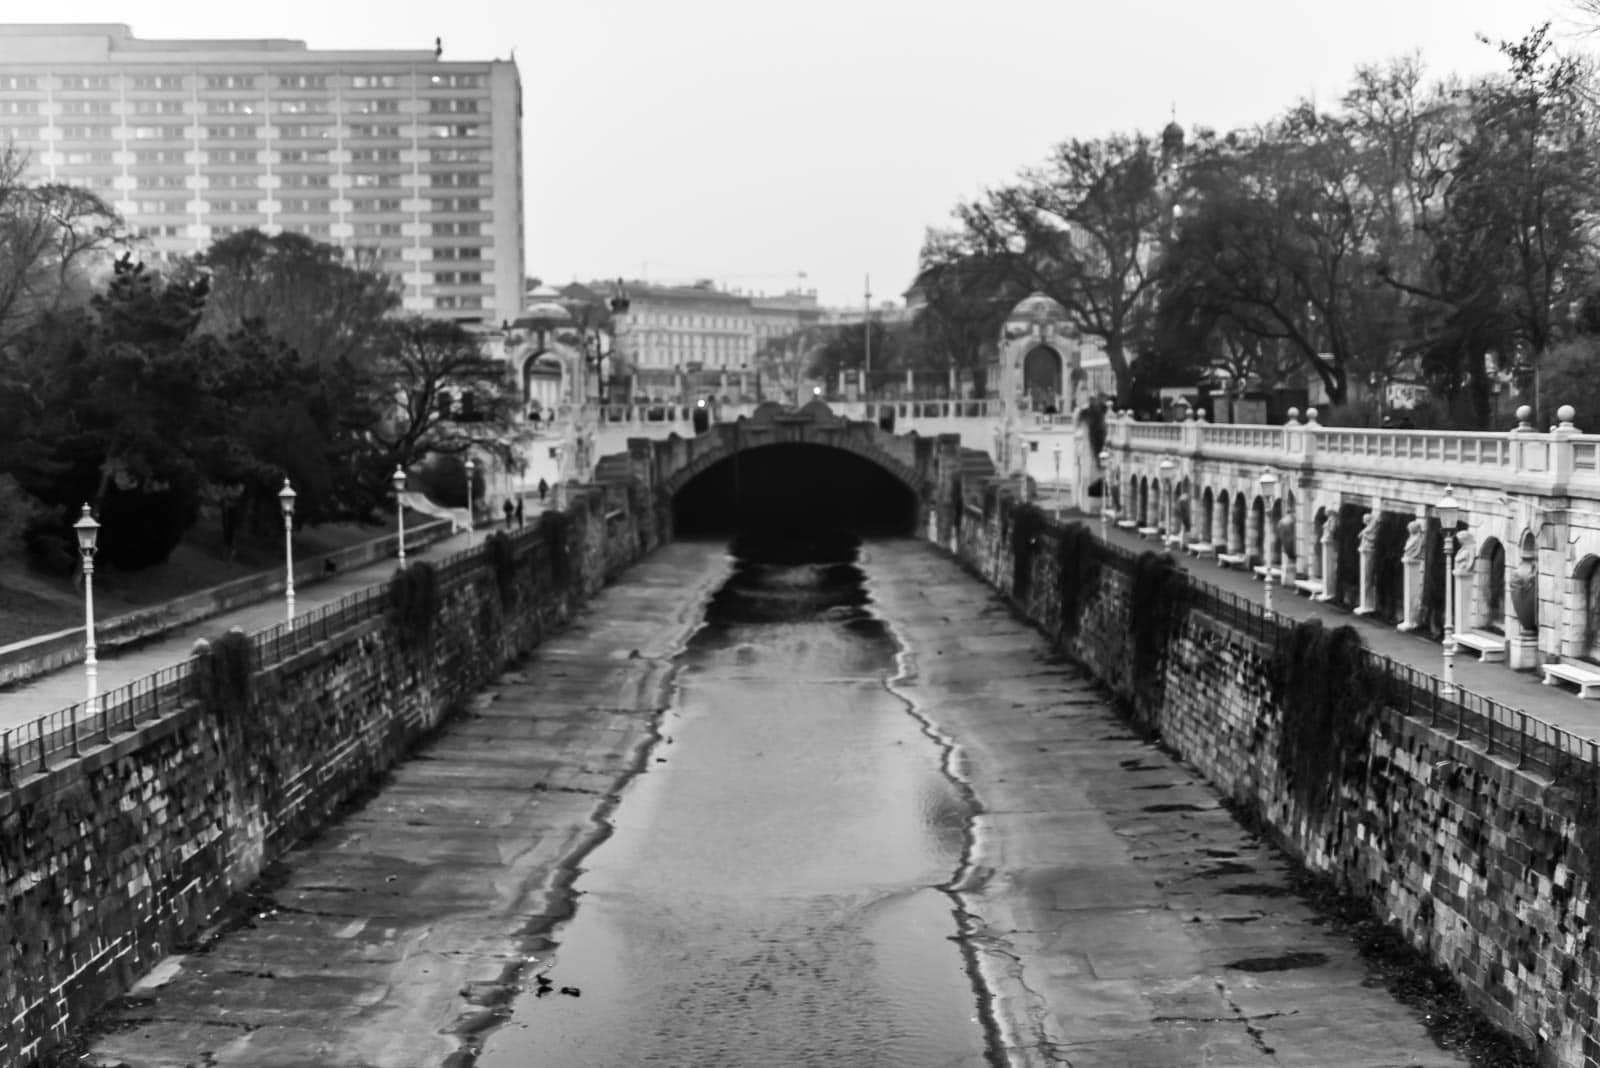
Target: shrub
[(1078, 560), (1156, 607), (225, 669), (1328, 691), (503, 563), (414, 603), (1026, 523)]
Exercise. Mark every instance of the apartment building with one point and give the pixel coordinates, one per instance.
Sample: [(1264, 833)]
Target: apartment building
[(403, 152)]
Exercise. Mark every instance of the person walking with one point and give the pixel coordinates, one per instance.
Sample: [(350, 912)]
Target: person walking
[(519, 513), (544, 489), (509, 509)]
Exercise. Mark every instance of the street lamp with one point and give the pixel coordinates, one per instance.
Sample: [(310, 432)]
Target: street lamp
[(1058, 480), (1269, 491), (471, 467), (1106, 507), (88, 530), (286, 502), (1449, 510), (399, 479)]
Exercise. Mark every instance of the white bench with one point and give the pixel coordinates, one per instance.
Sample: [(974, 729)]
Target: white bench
[(1127, 524), (1173, 541), (1201, 549), (1262, 571), (1308, 587), (1149, 532), (1489, 647), (1586, 680), (1232, 559)]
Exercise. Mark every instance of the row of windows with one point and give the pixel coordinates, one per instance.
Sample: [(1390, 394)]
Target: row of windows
[(75, 132), (102, 82)]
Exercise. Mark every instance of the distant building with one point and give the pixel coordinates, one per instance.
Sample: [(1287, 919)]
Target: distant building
[(887, 312), (190, 140)]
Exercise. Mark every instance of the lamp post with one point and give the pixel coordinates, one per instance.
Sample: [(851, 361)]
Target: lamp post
[(286, 502), (1058, 481), (471, 467), (1106, 483), (1449, 509), (1269, 491), (399, 479), (88, 530)]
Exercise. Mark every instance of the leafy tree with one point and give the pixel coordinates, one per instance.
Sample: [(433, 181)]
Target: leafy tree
[(1087, 230), (785, 363), (967, 298), (844, 348)]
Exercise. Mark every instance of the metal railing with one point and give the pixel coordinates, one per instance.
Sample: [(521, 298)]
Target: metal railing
[(1498, 730), (34, 746)]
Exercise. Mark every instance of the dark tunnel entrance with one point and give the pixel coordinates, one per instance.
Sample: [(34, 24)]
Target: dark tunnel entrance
[(794, 485)]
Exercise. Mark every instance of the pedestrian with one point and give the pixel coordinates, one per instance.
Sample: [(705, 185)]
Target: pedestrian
[(544, 488), (509, 509), (519, 513)]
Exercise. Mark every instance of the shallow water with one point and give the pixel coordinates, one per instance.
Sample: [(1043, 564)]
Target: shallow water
[(770, 894)]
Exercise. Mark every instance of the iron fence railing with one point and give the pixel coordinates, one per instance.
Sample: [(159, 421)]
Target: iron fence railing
[(34, 746), (1497, 729)]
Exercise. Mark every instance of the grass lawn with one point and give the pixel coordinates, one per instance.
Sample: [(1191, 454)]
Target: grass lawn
[(34, 603)]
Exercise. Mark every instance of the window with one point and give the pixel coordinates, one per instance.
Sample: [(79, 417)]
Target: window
[(19, 107), (18, 81), (85, 81), (155, 133), (303, 81), (314, 229), (375, 205), (87, 133), (454, 229), (454, 81), (373, 81), (374, 181), (233, 181), (158, 81), (374, 131), (469, 278), (377, 229), (235, 206), (163, 230), (158, 107), (232, 155), (457, 254), (447, 180), (305, 181), (303, 205), (457, 204), (80, 159), (231, 81), (303, 155), (375, 155), (452, 107), (161, 181), (303, 132), (456, 131), (159, 155), (230, 133), (303, 107), (230, 107), (159, 207), (374, 107), (455, 155)]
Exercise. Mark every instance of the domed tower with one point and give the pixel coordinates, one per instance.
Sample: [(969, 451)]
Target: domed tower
[(1172, 140)]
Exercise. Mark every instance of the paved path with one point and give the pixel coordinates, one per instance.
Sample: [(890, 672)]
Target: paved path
[(52, 692), (1517, 690)]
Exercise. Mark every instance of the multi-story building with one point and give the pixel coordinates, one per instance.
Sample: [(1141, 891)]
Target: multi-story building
[(403, 152), (695, 336)]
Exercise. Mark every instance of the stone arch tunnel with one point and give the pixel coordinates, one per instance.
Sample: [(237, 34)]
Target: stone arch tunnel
[(795, 484)]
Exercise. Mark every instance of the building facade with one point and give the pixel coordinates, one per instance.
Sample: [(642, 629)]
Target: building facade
[(402, 152)]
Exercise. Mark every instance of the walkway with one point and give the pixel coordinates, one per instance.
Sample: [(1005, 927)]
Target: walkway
[(1517, 690), (57, 690)]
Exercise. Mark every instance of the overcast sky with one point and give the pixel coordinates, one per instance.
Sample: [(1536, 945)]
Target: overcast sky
[(747, 141)]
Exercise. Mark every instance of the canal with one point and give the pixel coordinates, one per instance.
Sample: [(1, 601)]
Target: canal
[(773, 888)]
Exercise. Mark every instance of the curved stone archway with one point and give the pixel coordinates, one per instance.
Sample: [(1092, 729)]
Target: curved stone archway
[(1042, 375)]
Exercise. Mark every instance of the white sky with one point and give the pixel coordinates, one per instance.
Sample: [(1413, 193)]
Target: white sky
[(746, 141)]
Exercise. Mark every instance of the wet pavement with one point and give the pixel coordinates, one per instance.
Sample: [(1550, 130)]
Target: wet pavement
[(895, 832)]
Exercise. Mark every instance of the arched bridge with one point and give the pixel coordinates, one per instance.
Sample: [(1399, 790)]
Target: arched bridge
[(782, 466)]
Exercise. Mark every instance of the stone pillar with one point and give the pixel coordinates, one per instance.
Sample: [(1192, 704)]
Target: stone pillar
[(1330, 558), (1369, 534), (1219, 523), (1411, 593)]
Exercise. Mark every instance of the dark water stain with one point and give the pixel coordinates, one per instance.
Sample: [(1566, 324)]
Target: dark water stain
[(1217, 871), (1176, 806), (1284, 962), (1259, 890)]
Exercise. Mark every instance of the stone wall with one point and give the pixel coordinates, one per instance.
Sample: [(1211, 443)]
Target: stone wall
[(111, 861), (1487, 868)]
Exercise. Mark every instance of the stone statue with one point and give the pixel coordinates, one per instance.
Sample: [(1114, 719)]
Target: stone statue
[(1524, 588), (1414, 536), (1466, 555), (1330, 529), (1369, 532), (1180, 511), (1286, 537)]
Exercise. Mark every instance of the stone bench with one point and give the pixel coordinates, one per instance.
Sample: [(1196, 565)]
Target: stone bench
[(1489, 647), (1149, 532), (1308, 588), (1127, 524), (1173, 541), (1233, 560), (1585, 679), (1201, 549), (1262, 570)]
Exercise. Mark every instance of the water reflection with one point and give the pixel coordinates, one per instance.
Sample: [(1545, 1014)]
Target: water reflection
[(767, 896)]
